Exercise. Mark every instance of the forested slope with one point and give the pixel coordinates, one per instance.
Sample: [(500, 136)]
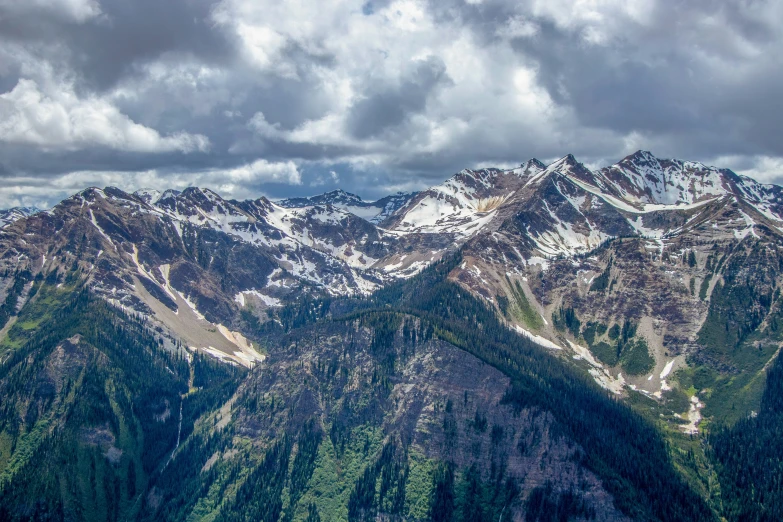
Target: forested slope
[(750, 458), (92, 407)]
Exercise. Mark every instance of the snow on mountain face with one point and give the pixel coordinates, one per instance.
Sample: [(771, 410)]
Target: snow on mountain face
[(563, 209), (14, 214), (303, 238), (562, 218), (568, 166), (643, 178), (639, 241), (566, 209), (372, 211), (462, 205), (539, 212), (148, 196), (389, 205), (323, 246)]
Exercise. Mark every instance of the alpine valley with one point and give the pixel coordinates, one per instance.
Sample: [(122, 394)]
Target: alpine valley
[(542, 343)]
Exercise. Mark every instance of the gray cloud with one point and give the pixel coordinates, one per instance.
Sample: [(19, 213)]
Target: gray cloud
[(385, 106), (705, 69), (115, 42), (269, 97)]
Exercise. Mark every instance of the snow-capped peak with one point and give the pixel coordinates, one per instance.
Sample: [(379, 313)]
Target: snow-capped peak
[(14, 214), (148, 195), (462, 205), (643, 178), (373, 211), (533, 165), (335, 197), (169, 193)]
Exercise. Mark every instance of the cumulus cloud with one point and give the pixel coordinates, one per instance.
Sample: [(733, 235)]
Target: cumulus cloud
[(62, 120), (244, 181), (262, 171), (262, 96)]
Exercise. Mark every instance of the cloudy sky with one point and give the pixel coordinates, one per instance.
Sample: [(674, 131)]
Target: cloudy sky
[(296, 97)]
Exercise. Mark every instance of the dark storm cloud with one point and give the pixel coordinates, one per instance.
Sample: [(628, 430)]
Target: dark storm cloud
[(386, 94), (125, 35), (624, 95), (221, 108), (386, 106), (669, 75)]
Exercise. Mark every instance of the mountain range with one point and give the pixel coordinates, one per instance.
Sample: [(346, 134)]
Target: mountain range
[(13, 214), (416, 356)]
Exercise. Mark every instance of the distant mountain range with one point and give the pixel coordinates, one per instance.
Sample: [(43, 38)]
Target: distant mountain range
[(12, 214), (212, 255)]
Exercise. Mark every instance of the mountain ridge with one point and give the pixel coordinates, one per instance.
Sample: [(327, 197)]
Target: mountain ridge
[(160, 253)]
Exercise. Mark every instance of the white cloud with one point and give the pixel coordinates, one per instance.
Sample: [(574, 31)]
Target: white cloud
[(59, 119), (320, 180), (262, 171), (766, 169), (518, 27), (239, 182), (597, 20), (494, 96), (263, 45), (263, 128)]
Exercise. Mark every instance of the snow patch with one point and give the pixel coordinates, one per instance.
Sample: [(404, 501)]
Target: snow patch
[(104, 234), (267, 300), (191, 305), (667, 369), (546, 343), (599, 373)]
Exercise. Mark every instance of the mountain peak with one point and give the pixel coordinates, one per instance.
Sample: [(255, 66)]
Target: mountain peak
[(567, 160), (90, 192), (342, 196), (647, 179), (640, 157), (533, 163), (148, 195), (14, 214), (169, 193), (335, 197), (340, 192), (643, 154), (568, 164)]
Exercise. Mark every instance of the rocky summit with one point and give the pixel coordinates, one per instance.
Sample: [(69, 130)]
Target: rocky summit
[(540, 341)]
